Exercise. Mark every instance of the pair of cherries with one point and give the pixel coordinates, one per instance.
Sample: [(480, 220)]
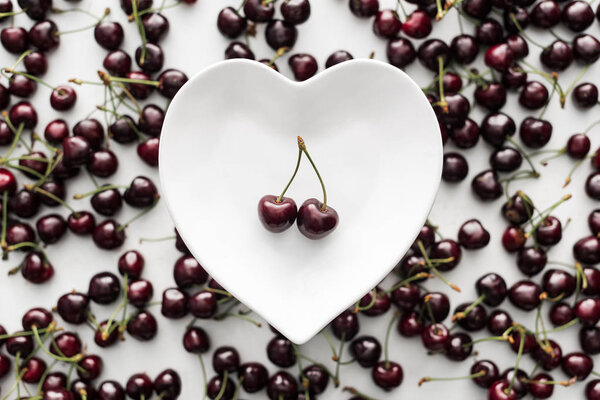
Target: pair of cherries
[(315, 219)]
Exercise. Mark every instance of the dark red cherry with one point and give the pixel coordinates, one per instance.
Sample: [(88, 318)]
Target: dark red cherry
[(51, 228), (588, 311), (486, 186), (472, 235), (314, 222), (230, 23), (104, 288), (141, 193), (170, 81), (499, 390), (109, 34), (589, 339), (446, 249), (63, 98), (142, 326), (66, 343), (489, 377), (277, 216), (118, 63), (44, 35), (35, 9), (304, 66), (417, 25), (464, 48), (520, 386), (168, 384), (467, 135), (514, 77), (174, 303), (54, 380), (558, 56), (387, 375), (535, 133), (14, 40), (500, 57), (38, 317), (23, 113), (438, 303), (594, 221), (36, 63), (131, 263), (259, 11), (577, 365), (400, 52), (338, 57), (498, 322), (492, 96), (577, 15), (496, 127), (435, 337), (473, 321), (142, 5), (587, 250), (493, 287), (24, 203), (531, 260), (379, 306), (520, 14), (76, 151), (477, 8), (35, 268), (108, 235), (585, 95), (586, 48), (107, 202), (188, 272), (518, 45), (123, 130), (281, 352), (406, 297), (90, 367), (458, 348), (558, 283), (150, 58), (345, 325), (92, 130), (548, 358), (387, 24), (592, 390), (282, 385), (317, 377), (455, 167), (56, 131), (21, 86), (364, 8), (525, 295), (225, 358), (195, 340), (366, 350), (410, 325), (280, 33), (253, 377), (139, 386), (506, 159), (533, 95), (592, 185), (139, 90), (489, 33), (155, 26), (430, 51), (545, 14), (103, 163), (549, 232), (19, 232), (140, 292), (238, 50), (73, 307), (218, 387), (458, 110)]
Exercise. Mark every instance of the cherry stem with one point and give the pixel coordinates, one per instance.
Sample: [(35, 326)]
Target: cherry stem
[(336, 382), (73, 359), (141, 30), (522, 31), (29, 76), (434, 269), (224, 382), (387, 339), (302, 147), (413, 278), (442, 101), (3, 243), (17, 133), (400, 6), (331, 346), (140, 215), (457, 378), (85, 28), (357, 306), (524, 153), (280, 198), (162, 239), (20, 59), (572, 85), (280, 51), (203, 368), (463, 314), (98, 190), (107, 328), (355, 392), (103, 75), (519, 354), (338, 358), (51, 196)]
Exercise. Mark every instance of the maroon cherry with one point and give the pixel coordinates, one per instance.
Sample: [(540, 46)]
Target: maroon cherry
[(533, 95), (588, 311), (366, 350), (38, 317), (14, 40), (364, 8), (410, 325), (92, 130), (489, 32), (455, 167), (546, 14), (464, 48), (282, 385), (378, 306), (54, 380), (474, 320), (36, 63), (499, 390), (24, 203), (492, 96), (118, 63), (430, 51), (498, 322), (34, 370), (73, 307), (255, 377), (109, 34), (400, 52), (472, 235), (577, 16), (535, 133), (195, 340), (519, 384), (108, 235), (44, 35), (143, 326), (435, 337), (486, 186), (337, 57), (490, 375), (19, 232), (458, 347), (345, 325), (406, 297), (35, 268), (203, 304), (23, 113), (304, 66), (558, 56), (493, 287), (578, 365), (280, 33), (387, 375), (139, 90), (438, 303), (316, 220), (587, 250), (56, 131), (238, 50), (103, 163), (506, 159), (496, 127), (21, 86), (281, 352), (549, 232), (477, 8), (170, 81), (139, 292), (558, 283), (141, 193), (417, 25), (548, 358), (514, 77), (174, 303), (500, 57), (63, 98), (168, 384), (51, 228), (139, 386), (586, 48), (127, 7), (90, 367), (231, 23), (531, 260), (66, 343), (525, 295), (589, 339), (295, 11), (107, 202), (104, 288), (465, 136), (387, 24), (585, 95), (155, 26)]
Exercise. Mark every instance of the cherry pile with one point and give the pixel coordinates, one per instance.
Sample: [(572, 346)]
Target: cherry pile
[(489, 61)]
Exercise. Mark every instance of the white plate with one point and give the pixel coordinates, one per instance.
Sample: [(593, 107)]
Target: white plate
[(230, 137)]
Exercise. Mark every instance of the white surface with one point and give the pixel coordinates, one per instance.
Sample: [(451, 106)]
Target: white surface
[(230, 138), (194, 43)]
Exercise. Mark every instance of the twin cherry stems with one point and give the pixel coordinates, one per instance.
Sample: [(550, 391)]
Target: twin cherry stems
[(315, 219)]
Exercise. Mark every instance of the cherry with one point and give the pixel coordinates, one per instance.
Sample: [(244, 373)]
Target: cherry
[(411, 265), (281, 352), (534, 132), (558, 283), (585, 95), (56, 131), (435, 337), (489, 33), (381, 304), (54, 380), (500, 57), (577, 365), (593, 221), (498, 322), (506, 159), (238, 50), (66, 343), (467, 135), (63, 98), (417, 25), (36, 63), (44, 35), (109, 34), (155, 26), (92, 130), (23, 113), (51, 228), (430, 51), (491, 96), (464, 48), (170, 81), (149, 57), (452, 82), (458, 109), (108, 235), (123, 130), (142, 5), (496, 127), (111, 390), (493, 287), (587, 250), (139, 90), (525, 295), (282, 385), (531, 260), (400, 52), (345, 325), (304, 66), (548, 358), (35, 163), (592, 185), (486, 186), (472, 235), (230, 23), (168, 384), (387, 24), (586, 48), (24, 203), (364, 8), (387, 375), (19, 344), (141, 193), (520, 14), (151, 120), (455, 167), (514, 77), (315, 220), (90, 367), (35, 9), (438, 303), (280, 33), (366, 350), (225, 358), (35, 368), (477, 8), (577, 16), (6, 134), (592, 275), (14, 40), (558, 56), (38, 317), (592, 390), (549, 232), (107, 202), (426, 236), (195, 340), (140, 292), (73, 307), (139, 386), (499, 390), (317, 378), (457, 348), (143, 326), (215, 389), (533, 96), (35, 268), (546, 14), (446, 248), (19, 232), (588, 311), (103, 163), (490, 376), (589, 339), (475, 320), (21, 86), (104, 288), (406, 297), (253, 377), (337, 57), (174, 303), (410, 325), (520, 387), (5, 365), (118, 63)]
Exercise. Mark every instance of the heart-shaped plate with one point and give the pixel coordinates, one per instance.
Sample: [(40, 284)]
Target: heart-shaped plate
[(229, 138)]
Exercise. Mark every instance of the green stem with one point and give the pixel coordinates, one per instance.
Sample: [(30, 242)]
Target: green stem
[(292, 178), (302, 147)]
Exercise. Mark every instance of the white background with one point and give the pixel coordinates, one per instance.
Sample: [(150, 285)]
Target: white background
[(193, 43)]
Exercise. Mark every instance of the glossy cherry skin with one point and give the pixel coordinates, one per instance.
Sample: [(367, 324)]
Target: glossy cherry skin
[(54, 380), (66, 343), (107, 202), (446, 249), (533, 95), (477, 8), (493, 287), (35, 368), (73, 307), (592, 276), (345, 325), (108, 235), (6, 134), (90, 367), (14, 39), (577, 365), (24, 204), (467, 135), (489, 33), (19, 344), (586, 48), (520, 387), (429, 52), (21, 86), (195, 340), (109, 34), (535, 133), (531, 260), (35, 268), (475, 320), (281, 352), (51, 228), (230, 23), (545, 14), (387, 375), (525, 295), (435, 337), (514, 77), (142, 5), (588, 311), (589, 339), (438, 303), (23, 113), (140, 292), (238, 50), (225, 358), (499, 391), (364, 8), (457, 348), (19, 232), (495, 127), (486, 186), (498, 322), (558, 283), (455, 167), (104, 288), (585, 95), (491, 373), (155, 26), (304, 66), (464, 48), (168, 384), (472, 235), (105, 340), (548, 358), (577, 16), (36, 63), (337, 57), (38, 317), (417, 25), (592, 390), (277, 216), (44, 35), (143, 326), (139, 386), (491, 96), (499, 57), (406, 297), (255, 376), (387, 24), (174, 303), (400, 52), (592, 185), (141, 193), (561, 313), (282, 385), (506, 159), (549, 232), (313, 222), (92, 130), (366, 350), (558, 56), (280, 33)]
